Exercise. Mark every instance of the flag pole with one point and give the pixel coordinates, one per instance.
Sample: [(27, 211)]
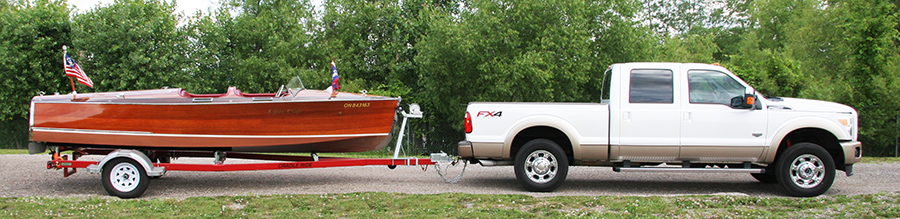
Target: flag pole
[(71, 81)]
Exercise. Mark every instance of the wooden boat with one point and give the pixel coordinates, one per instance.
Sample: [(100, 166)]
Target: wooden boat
[(295, 120)]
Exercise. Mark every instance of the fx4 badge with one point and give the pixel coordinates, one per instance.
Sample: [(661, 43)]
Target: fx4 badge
[(489, 114)]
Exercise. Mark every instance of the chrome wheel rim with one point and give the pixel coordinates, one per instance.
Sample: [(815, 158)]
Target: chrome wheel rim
[(807, 171), (125, 177), (541, 166)]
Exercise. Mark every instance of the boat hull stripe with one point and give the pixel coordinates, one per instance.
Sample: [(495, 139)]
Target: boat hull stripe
[(130, 133)]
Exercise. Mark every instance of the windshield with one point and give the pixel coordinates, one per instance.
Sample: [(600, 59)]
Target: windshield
[(295, 86)]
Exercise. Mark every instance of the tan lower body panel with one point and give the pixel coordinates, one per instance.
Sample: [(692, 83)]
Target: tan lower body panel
[(488, 150), (593, 153), (644, 153), (721, 153), (689, 153)]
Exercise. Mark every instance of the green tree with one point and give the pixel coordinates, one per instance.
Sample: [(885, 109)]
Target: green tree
[(260, 48), (873, 67), (366, 38), (762, 57), (520, 51), (31, 39), (131, 44), (208, 53)]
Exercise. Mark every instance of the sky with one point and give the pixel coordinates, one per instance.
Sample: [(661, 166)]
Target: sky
[(188, 6)]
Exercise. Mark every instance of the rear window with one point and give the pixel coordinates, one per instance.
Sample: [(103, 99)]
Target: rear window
[(651, 86)]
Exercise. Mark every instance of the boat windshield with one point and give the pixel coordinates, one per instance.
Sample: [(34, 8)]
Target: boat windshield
[(295, 86)]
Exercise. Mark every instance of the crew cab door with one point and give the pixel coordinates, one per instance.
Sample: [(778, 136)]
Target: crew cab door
[(711, 129), (648, 115)]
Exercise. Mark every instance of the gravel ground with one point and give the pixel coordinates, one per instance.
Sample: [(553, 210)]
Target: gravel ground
[(26, 175)]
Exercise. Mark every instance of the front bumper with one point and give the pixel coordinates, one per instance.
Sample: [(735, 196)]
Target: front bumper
[(852, 155), (852, 152)]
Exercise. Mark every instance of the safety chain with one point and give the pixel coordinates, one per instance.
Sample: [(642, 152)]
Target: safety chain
[(441, 171)]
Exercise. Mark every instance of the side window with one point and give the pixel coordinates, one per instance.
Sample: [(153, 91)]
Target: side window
[(713, 87), (651, 86)]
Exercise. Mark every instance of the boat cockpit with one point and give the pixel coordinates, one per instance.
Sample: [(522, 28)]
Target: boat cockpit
[(292, 88)]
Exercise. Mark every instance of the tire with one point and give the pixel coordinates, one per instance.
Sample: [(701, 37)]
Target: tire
[(541, 165), (766, 178), (805, 170), (124, 178)]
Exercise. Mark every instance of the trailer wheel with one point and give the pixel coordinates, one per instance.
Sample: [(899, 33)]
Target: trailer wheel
[(541, 165), (124, 178), (805, 170)]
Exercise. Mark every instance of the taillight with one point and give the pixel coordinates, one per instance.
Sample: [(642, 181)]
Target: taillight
[(468, 123)]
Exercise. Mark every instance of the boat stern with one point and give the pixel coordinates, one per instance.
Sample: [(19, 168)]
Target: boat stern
[(34, 147)]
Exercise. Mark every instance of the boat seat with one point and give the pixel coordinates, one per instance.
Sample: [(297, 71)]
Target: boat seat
[(232, 91), (258, 95), (184, 93)]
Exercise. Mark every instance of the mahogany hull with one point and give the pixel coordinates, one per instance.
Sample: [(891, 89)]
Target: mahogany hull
[(170, 118)]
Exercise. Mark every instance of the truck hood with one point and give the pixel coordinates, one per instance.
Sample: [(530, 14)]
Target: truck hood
[(806, 105)]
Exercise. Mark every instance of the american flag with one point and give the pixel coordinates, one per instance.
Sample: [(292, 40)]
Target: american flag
[(72, 70), (334, 77)]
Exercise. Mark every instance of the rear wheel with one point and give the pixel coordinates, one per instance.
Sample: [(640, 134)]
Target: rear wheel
[(805, 170), (124, 178), (541, 165)]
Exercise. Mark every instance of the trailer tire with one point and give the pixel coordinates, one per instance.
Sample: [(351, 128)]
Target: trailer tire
[(805, 170), (541, 165), (124, 178)]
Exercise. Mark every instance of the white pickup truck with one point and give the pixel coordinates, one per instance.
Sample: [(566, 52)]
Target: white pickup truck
[(675, 117)]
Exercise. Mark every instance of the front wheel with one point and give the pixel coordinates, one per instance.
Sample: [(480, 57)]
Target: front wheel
[(805, 170), (541, 165), (124, 178)]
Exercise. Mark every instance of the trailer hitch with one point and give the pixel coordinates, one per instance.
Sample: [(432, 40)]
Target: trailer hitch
[(442, 164)]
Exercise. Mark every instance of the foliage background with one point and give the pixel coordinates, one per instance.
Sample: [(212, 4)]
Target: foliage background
[(446, 53)]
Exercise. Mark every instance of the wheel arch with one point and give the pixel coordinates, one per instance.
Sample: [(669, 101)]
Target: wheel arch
[(824, 138), (543, 127)]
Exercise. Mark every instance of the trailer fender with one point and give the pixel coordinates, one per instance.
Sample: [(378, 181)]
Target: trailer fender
[(141, 158)]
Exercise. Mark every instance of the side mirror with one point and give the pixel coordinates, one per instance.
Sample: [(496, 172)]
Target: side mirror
[(743, 102)]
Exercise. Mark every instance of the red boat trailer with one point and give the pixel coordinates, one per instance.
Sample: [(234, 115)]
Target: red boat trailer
[(126, 172), (291, 161)]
